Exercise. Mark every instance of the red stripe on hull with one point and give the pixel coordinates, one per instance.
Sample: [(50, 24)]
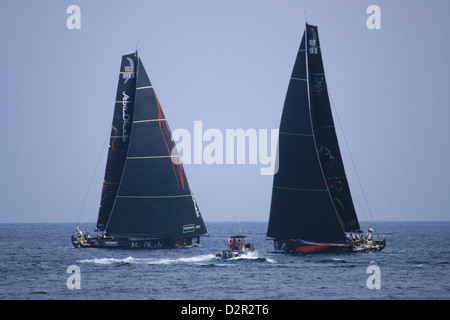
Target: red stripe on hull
[(313, 248)]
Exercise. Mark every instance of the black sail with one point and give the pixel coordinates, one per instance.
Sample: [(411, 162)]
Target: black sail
[(120, 137), (325, 134), (301, 207), (154, 200)]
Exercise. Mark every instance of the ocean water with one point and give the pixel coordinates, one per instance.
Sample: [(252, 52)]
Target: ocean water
[(35, 259)]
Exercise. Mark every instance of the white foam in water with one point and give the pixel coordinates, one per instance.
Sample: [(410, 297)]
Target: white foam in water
[(201, 258), (151, 261), (132, 260), (270, 260), (253, 255), (107, 260)]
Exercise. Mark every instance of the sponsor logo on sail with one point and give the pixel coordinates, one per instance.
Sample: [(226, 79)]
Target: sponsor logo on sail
[(188, 228), (313, 42), (129, 71), (125, 116), (197, 211)]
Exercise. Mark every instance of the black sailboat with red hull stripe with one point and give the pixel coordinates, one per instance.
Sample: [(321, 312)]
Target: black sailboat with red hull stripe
[(312, 208), (146, 198)]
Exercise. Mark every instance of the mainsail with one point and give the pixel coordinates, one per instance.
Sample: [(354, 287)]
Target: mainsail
[(311, 200), (325, 135), (146, 195)]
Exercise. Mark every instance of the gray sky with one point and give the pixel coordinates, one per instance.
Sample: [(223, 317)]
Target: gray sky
[(228, 64)]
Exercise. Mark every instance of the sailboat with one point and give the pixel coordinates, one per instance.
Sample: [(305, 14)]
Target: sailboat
[(312, 208), (146, 198)]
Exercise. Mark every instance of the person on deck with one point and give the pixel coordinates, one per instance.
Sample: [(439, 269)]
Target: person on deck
[(240, 246), (369, 234)]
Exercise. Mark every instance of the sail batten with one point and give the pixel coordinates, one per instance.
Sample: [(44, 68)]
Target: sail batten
[(151, 157), (298, 189), (148, 120), (144, 87), (155, 197), (297, 134)]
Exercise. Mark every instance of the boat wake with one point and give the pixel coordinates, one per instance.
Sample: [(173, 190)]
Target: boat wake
[(149, 261), (200, 259), (252, 256)]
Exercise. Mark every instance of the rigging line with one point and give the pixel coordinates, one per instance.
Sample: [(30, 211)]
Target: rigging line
[(93, 175), (361, 209), (83, 215), (351, 157)]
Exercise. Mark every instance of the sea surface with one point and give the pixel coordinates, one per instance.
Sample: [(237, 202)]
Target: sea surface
[(36, 258)]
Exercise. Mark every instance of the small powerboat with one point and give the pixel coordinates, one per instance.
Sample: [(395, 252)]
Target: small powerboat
[(236, 247)]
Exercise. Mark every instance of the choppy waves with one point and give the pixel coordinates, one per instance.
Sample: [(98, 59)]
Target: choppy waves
[(409, 269)]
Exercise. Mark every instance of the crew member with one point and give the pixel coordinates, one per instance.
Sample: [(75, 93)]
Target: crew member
[(369, 234)]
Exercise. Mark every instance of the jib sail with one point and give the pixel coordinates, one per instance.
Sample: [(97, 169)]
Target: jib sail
[(120, 137)]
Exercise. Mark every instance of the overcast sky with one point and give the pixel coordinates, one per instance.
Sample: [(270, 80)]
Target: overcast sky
[(227, 64)]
